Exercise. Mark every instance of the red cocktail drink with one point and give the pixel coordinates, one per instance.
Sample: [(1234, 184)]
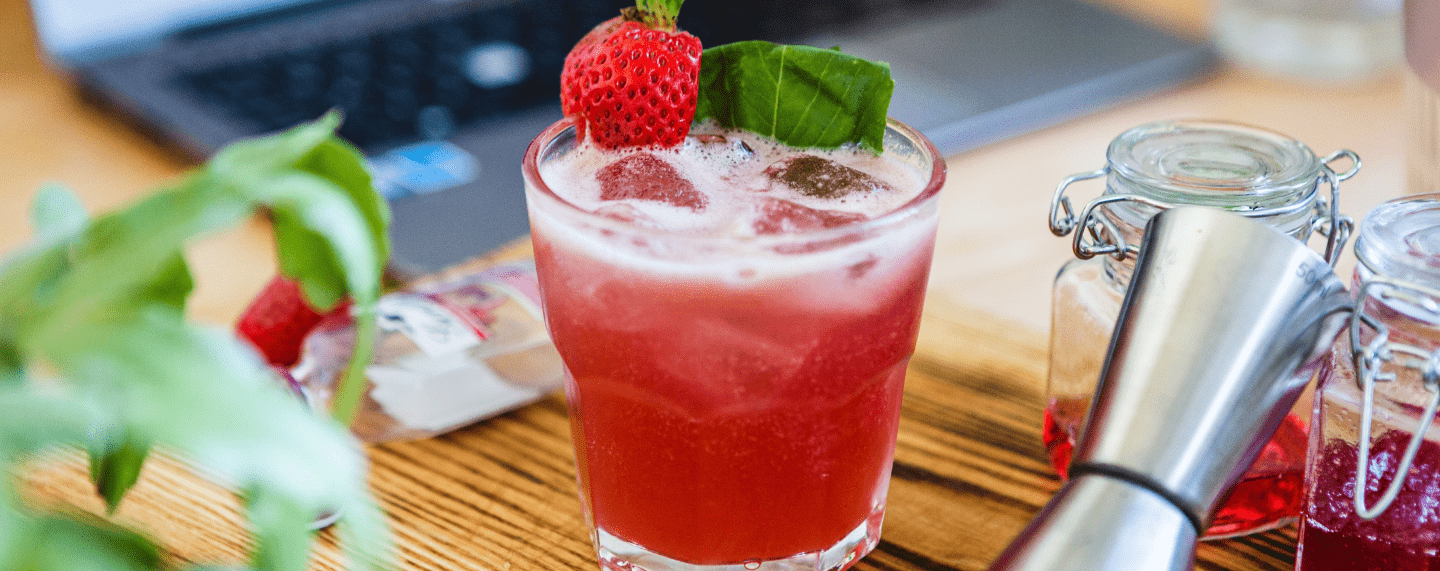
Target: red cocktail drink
[(735, 382)]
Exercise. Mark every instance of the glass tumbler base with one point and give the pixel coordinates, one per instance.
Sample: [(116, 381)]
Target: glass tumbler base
[(616, 554)]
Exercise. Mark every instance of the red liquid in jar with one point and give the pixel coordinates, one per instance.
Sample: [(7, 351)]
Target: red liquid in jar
[(1058, 440), (1406, 537), (1266, 495)]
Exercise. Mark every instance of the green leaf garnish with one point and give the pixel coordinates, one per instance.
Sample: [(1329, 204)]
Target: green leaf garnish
[(798, 95)]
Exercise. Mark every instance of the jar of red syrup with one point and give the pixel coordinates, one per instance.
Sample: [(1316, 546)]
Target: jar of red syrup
[(1239, 168), (1376, 406)]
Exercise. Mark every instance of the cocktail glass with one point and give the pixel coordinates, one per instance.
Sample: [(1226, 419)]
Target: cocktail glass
[(734, 401)]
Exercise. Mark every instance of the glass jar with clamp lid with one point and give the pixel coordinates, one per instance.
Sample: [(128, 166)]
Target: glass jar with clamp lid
[(1372, 498), (1239, 168)]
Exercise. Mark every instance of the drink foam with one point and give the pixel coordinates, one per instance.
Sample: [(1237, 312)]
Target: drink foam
[(724, 239), (729, 168)]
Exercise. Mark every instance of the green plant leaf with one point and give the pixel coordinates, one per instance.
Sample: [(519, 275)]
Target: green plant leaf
[(32, 270), (309, 250), (132, 257), (12, 365), (798, 95), (332, 257), (56, 213), (238, 421), (323, 239), (330, 226), (32, 421), (247, 162), (171, 286), (116, 457), (330, 229), (255, 168), (79, 543), (101, 304), (298, 174), (344, 165), (120, 263), (236, 413), (281, 541)]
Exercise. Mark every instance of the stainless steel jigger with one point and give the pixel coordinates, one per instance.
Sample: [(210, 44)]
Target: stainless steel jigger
[(1220, 330)]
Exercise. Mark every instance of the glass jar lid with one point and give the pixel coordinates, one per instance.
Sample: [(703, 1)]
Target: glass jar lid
[(1220, 164), (1401, 239)]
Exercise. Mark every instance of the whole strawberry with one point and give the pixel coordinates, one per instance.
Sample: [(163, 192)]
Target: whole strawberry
[(632, 81), (277, 321)]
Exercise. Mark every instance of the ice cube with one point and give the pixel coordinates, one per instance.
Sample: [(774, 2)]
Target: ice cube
[(778, 216), (859, 269), (644, 176), (721, 148), (626, 213), (742, 364), (822, 178), (708, 139)]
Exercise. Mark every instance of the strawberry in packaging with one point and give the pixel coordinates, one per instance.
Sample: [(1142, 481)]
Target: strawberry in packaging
[(447, 355), (277, 320)]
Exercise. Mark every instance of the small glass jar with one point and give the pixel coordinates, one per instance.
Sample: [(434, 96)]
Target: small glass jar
[(1239, 168), (1383, 379)]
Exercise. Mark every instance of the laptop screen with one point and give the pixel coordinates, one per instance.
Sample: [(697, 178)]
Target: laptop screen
[(68, 29)]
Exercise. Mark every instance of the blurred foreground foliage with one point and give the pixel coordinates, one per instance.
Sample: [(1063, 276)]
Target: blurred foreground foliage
[(96, 353)]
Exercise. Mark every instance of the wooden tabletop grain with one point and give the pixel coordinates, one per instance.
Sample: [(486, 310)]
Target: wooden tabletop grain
[(500, 495)]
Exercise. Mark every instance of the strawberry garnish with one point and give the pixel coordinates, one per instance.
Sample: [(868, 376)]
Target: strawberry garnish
[(277, 321), (632, 81)]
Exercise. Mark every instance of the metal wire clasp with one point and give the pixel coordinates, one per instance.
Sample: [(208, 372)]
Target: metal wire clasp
[(1329, 222), (1368, 359), (1097, 235), (1103, 236)]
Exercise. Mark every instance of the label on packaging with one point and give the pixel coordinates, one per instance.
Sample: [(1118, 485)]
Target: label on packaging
[(432, 327)]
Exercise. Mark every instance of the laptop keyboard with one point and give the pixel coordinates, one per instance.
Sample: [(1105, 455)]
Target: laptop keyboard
[(480, 64)]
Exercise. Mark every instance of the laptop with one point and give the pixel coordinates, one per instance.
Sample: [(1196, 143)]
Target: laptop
[(443, 96)]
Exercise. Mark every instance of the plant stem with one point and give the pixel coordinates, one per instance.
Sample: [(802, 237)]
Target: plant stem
[(352, 384)]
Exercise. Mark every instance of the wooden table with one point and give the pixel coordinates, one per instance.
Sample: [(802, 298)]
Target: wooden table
[(500, 495)]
